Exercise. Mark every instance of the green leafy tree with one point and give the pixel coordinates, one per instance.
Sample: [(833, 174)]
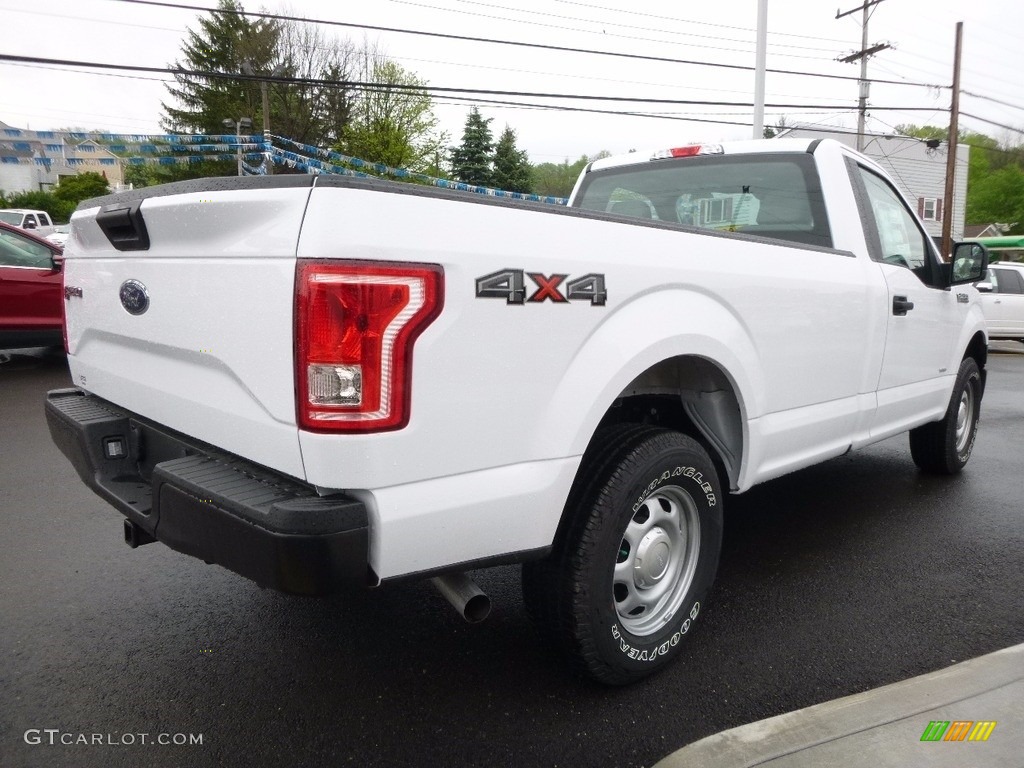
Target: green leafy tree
[(392, 121), (1000, 197), (81, 186), (558, 179), (512, 169), (471, 160), (995, 176), (59, 210)]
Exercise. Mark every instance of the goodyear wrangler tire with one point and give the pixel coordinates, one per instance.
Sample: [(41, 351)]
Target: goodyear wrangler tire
[(629, 577), (943, 447)]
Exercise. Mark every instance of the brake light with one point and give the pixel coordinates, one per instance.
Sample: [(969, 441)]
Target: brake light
[(691, 151), (355, 326)]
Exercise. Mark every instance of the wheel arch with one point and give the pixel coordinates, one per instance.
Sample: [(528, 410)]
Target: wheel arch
[(978, 349), (693, 395), (701, 376)]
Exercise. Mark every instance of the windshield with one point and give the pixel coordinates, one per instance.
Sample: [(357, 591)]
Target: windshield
[(10, 218), (772, 195)]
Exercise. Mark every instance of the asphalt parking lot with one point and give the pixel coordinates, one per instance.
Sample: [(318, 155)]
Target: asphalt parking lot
[(834, 580)]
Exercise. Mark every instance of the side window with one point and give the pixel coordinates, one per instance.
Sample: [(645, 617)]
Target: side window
[(18, 251), (900, 239), (30, 221), (1008, 280), (44, 220)]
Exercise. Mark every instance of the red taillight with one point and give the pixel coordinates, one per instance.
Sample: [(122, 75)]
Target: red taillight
[(355, 325)]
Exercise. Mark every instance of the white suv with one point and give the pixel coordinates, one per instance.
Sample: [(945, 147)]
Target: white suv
[(1002, 300)]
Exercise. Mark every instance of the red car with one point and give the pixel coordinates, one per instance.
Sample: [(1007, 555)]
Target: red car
[(31, 289)]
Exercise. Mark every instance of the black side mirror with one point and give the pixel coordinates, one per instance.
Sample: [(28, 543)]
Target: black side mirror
[(969, 263)]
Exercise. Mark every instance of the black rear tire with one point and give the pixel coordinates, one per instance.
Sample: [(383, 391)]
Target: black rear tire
[(944, 447), (629, 574)]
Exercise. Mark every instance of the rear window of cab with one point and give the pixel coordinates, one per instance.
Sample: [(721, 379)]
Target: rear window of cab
[(776, 195)]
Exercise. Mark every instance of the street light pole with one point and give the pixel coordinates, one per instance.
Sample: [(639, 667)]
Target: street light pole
[(238, 125), (266, 125)]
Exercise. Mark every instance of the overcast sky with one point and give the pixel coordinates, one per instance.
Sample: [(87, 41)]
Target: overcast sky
[(803, 36)]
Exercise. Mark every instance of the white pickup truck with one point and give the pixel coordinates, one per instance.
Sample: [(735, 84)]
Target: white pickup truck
[(37, 222), (323, 381)]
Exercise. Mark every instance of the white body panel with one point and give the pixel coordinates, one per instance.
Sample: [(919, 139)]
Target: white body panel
[(504, 398), (212, 357)]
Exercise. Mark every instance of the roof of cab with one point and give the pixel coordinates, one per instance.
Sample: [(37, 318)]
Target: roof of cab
[(728, 148)]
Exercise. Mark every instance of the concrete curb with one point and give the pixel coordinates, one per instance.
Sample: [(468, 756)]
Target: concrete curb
[(883, 727)]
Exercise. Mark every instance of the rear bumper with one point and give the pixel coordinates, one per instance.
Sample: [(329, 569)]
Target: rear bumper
[(222, 509)]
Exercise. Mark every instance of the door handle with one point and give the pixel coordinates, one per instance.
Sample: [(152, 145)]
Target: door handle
[(900, 305)]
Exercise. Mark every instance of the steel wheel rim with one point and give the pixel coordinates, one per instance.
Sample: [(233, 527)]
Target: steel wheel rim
[(964, 418), (656, 561)]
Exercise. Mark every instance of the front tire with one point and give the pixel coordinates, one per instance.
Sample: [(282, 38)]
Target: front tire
[(943, 447), (629, 577)]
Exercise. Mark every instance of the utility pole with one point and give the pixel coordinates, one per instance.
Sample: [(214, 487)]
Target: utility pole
[(762, 47), (862, 56), (277, 72), (954, 139)]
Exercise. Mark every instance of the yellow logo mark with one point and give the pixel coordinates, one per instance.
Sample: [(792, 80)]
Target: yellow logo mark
[(982, 730)]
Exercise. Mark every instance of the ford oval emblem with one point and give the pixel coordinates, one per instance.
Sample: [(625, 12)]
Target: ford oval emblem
[(134, 297)]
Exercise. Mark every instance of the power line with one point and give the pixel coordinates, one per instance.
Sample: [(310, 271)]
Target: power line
[(692, 21), (168, 80), (493, 41), (994, 101), (603, 33), (593, 78), (86, 18), (992, 122), (371, 86)]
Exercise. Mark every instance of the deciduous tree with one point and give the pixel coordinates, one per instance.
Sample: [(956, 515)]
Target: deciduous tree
[(81, 186), (392, 121)]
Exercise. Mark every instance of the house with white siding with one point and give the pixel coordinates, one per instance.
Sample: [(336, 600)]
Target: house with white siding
[(918, 170), (32, 161)]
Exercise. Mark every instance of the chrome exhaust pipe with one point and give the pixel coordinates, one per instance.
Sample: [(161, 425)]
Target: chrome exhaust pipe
[(464, 595)]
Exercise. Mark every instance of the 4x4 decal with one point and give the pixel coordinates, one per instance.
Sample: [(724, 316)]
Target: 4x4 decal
[(510, 285)]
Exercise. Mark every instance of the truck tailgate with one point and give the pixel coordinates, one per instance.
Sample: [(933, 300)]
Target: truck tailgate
[(194, 331)]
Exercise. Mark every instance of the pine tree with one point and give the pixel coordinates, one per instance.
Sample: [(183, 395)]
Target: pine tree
[(225, 41), (471, 161), (512, 169)]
